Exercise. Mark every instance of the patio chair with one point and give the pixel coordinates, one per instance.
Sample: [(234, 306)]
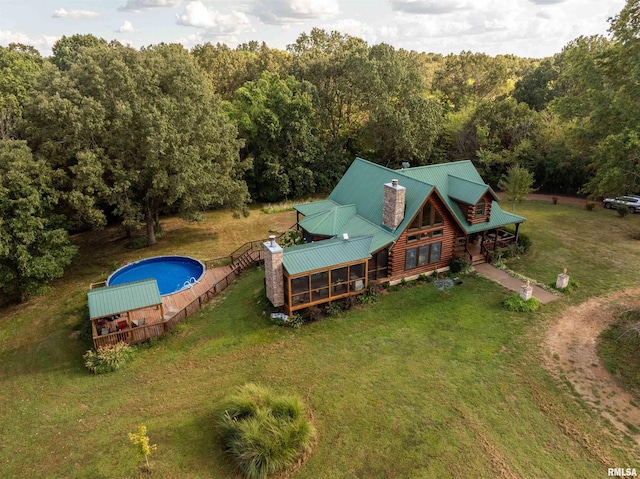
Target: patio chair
[(122, 325)]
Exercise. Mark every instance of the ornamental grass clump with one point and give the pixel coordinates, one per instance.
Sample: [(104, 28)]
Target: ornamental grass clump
[(264, 432), (108, 358)]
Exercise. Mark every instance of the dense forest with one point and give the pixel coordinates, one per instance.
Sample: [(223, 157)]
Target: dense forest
[(101, 132)]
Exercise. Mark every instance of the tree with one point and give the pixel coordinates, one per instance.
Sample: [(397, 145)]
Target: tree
[(19, 68), (535, 88), (470, 77), (401, 122), (34, 248), (516, 183), (140, 131), (66, 49), (275, 117)]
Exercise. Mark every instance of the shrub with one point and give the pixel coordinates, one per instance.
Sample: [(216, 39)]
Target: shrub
[(524, 243), (138, 243), (293, 321), (108, 358), (263, 432), (589, 205), (291, 238), (370, 296), (333, 309), (515, 303), (141, 441), (458, 265), (622, 211)]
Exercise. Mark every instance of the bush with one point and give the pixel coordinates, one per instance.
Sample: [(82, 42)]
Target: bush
[(370, 296), (138, 243), (293, 321), (108, 358), (458, 265), (622, 211), (333, 309), (515, 303), (524, 243), (589, 205), (291, 238), (264, 432)]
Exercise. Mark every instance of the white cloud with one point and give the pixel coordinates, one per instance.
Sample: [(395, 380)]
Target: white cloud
[(427, 7), (546, 2), (126, 27), (196, 14), (282, 12), (355, 28), (137, 5), (74, 14), (42, 43)]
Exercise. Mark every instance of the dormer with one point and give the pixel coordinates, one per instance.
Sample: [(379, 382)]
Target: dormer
[(474, 199)]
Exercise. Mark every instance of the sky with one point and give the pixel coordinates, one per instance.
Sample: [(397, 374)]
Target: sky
[(526, 28)]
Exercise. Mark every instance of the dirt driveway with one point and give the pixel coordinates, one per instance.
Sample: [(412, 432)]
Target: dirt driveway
[(570, 353)]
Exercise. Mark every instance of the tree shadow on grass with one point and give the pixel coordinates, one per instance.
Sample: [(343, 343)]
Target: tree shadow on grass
[(53, 353), (197, 442)]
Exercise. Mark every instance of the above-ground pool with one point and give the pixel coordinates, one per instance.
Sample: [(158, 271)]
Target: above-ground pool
[(172, 273)]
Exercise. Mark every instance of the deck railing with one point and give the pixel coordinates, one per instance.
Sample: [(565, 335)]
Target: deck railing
[(249, 246)]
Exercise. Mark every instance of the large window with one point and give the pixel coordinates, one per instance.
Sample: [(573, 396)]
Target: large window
[(426, 218), (423, 255)]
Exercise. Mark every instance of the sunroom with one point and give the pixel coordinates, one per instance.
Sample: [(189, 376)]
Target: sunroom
[(325, 271)]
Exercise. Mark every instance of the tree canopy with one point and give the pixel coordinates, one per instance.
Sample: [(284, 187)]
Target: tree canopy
[(140, 131), (34, 245)]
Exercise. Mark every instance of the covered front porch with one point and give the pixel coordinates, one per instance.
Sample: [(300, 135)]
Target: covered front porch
[(479, 246)]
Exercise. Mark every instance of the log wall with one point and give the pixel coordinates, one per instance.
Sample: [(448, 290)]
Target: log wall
[(451, 230)]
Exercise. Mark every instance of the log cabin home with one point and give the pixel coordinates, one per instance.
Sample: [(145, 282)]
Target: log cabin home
[(381, 225)]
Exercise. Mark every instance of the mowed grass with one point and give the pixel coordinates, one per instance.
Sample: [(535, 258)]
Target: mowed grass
[(600, 250), (421, 384)]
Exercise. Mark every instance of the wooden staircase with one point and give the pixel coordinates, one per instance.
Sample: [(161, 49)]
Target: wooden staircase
[(246, 260)]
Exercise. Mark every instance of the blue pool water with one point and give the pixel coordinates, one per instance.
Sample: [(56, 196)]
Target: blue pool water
[(170, 272)]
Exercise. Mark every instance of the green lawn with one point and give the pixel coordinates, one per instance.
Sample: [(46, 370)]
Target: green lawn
[(421, 384)]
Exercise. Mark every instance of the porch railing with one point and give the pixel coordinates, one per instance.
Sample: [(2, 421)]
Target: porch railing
[(502, 239)]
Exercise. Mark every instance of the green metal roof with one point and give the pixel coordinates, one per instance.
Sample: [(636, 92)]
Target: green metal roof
[(362, 188), (325, 254), (329, 222), (468, 192), (124, 297), (308, 209), (363, 185), (466, 174), (358, 226)]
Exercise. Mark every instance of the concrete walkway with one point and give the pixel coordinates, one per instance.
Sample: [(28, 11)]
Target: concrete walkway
[(509, 282)]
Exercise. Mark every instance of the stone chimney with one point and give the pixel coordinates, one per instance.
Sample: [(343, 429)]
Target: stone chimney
[(273, 270), (393, 204)]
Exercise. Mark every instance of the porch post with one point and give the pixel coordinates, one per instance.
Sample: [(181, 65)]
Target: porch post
[(517, 230)]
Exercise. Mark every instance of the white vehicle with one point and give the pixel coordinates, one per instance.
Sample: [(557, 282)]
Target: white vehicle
[(631, 202)]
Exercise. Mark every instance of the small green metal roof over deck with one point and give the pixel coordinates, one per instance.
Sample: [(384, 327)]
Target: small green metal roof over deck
[(113, 300), (325, 254)]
